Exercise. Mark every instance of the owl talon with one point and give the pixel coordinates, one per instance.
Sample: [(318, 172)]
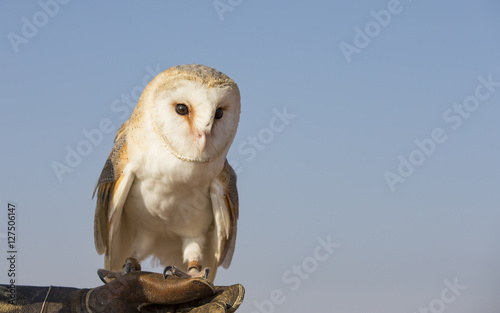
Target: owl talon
[(106, 276), (167, 271), (102, 277), (192, 273), (131, 265), (174, 271)]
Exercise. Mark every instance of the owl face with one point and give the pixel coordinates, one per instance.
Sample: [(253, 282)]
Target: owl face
[(198, 121)]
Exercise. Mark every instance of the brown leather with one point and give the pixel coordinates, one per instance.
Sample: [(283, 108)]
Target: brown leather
[(33, 299), (143, 291), (225, 299), (146, 287)]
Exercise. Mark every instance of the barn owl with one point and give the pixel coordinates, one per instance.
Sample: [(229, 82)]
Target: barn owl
[(167, 189)]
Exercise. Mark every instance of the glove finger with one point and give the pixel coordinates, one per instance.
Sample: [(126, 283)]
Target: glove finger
[(231, 296), (228, 298)]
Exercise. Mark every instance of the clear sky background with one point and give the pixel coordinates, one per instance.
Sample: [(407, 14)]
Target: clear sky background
[(369, 126)]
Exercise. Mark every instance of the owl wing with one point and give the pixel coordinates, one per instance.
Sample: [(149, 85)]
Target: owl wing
[(112, 189), (224, 196)]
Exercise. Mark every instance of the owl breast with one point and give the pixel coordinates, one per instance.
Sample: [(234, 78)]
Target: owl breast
[(170, 196)]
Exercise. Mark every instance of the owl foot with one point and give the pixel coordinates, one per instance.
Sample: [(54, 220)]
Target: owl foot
[(131, 265), (194, 270)]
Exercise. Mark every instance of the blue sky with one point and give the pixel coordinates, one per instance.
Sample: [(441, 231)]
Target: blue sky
[(368, 176)]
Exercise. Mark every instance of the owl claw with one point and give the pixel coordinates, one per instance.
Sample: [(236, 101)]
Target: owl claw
[(179, 273), (167, 271), (102, 277), (106, 276), (174, 271), (131, 265), (207, 270)]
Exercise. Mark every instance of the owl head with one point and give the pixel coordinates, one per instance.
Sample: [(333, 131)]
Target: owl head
[(195, 110)]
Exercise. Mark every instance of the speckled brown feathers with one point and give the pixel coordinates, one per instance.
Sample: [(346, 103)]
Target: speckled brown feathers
[(228, 178), (106, 185)]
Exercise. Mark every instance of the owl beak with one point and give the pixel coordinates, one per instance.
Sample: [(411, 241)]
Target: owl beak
[(201, 140)]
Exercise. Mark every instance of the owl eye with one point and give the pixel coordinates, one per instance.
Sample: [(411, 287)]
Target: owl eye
[(219, 113), (181, 109)]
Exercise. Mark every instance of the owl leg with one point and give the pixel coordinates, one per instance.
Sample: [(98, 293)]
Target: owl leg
[(192, 252), (195, 270), (131, 265), (141, 244), (192, 255)]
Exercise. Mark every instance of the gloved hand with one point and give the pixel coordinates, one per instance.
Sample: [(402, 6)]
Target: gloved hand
[(131, 292), (152, 292)]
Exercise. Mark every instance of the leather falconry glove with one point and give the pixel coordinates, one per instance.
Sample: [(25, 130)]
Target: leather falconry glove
[(135, 291)]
